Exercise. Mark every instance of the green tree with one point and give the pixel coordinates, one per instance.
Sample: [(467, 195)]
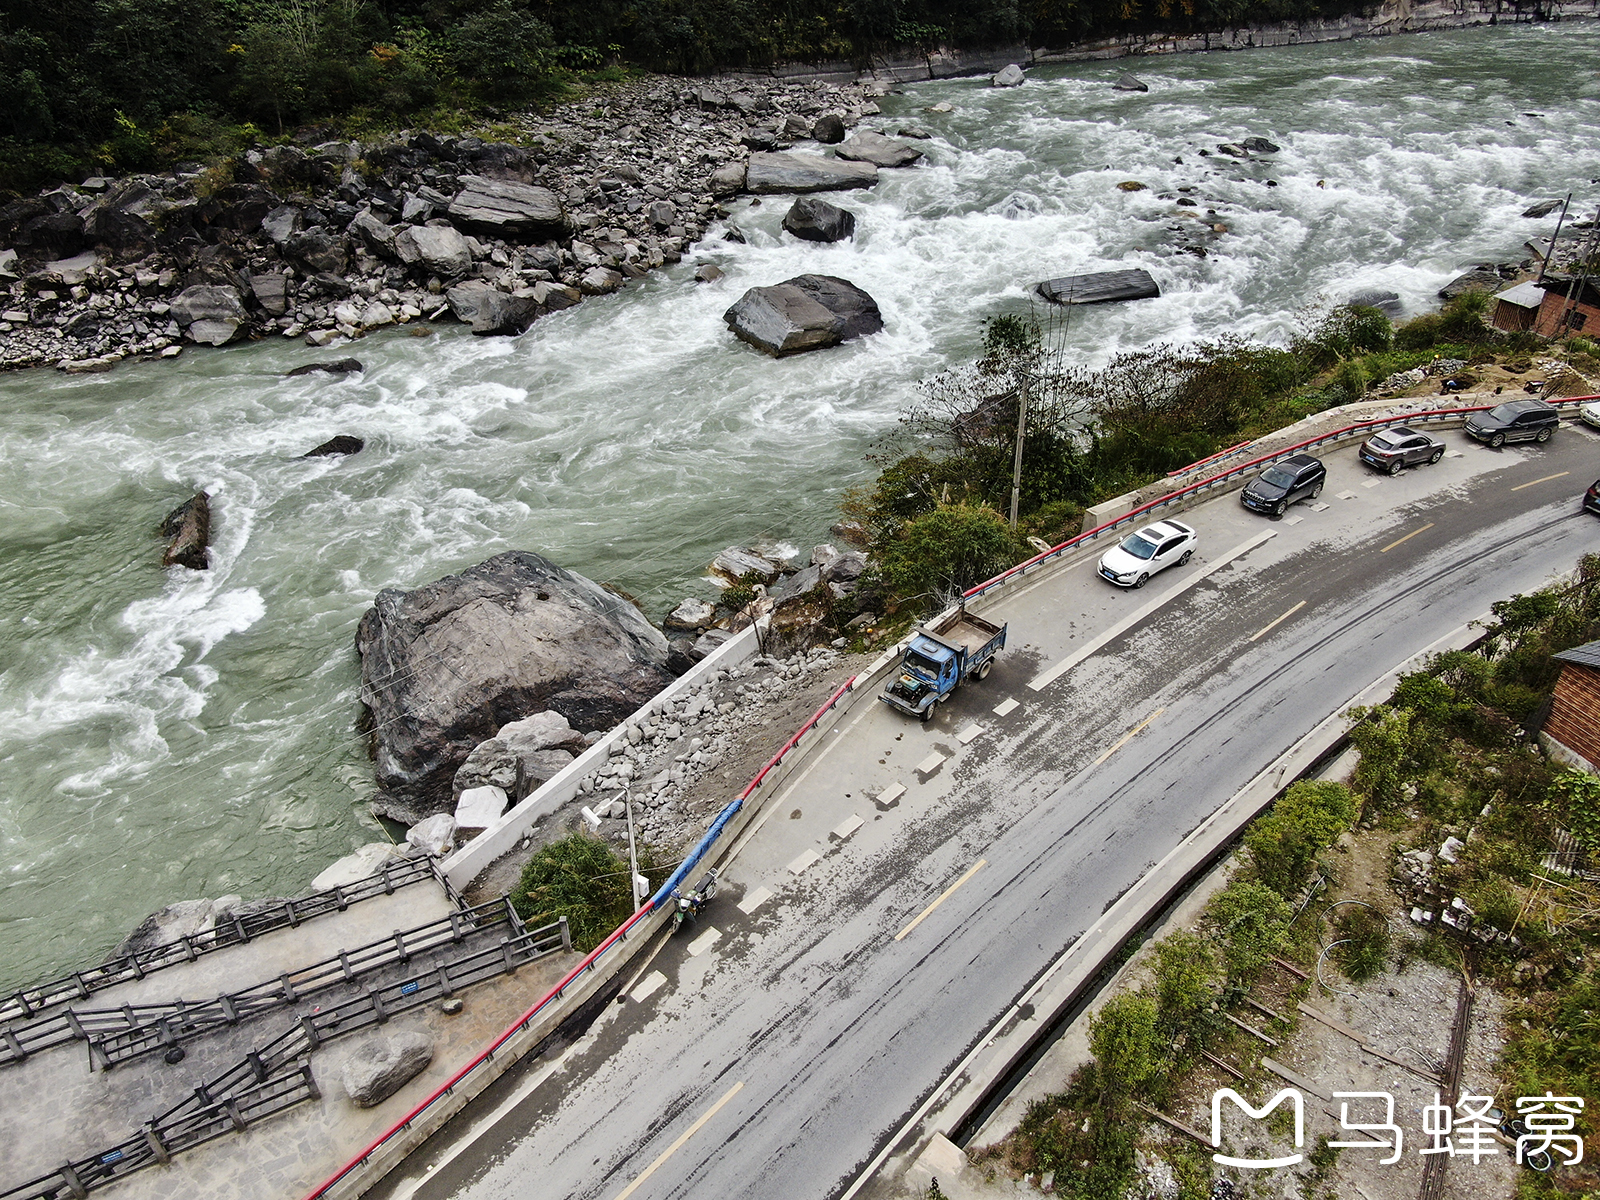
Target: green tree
[(1388, 746), (1285, 841), (580, 878), (506, 53), (1250, 923), (948, 549)]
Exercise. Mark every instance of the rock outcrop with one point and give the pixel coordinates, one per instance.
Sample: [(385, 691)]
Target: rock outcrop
[(344, 443), (767, 174), (807, 312), (448, 665), (381, 1066), (187, 529), (212, 316), (815, 220), (339, 366), (505, 209)]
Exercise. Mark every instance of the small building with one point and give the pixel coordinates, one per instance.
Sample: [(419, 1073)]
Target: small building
[(1571, 732), (1516, 309), (1571, 303)]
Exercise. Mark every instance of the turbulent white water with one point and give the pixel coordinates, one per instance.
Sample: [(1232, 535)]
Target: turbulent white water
[(167, 734)]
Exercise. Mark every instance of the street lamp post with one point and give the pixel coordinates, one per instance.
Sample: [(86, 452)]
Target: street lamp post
[(1016, 462)]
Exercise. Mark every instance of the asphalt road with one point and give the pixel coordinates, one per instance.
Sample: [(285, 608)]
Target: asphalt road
[(778, 1060)]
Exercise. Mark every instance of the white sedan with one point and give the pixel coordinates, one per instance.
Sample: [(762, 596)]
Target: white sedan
[(1142, 554), (1590, 413)]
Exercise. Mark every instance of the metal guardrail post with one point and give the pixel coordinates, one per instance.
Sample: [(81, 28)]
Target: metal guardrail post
[(157, 1146), (310, 1081), (74, 1184), (400, 947), (310, 1030), (388, 880), (566, 934)]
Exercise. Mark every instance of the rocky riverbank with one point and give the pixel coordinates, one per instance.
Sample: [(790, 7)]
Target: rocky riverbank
[(324, 240)]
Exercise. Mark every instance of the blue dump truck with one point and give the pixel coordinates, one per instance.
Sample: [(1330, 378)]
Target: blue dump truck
[(939, 660)]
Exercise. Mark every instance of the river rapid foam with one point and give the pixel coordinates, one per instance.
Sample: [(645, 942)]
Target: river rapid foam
[(168, 734)]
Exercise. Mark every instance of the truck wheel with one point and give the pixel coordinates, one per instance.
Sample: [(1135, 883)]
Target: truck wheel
[(983, 671), (926, 714)]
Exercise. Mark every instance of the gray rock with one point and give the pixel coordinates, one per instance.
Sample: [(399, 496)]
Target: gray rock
[(828, 129), (733, 564), (599, 281), (381, 1066), (1388, 303), (690, 614), (477, 808), (1479, 280), (435, 835), (210, 315), (1259, 145), (662, 214), (709, 641), (1099, 287), (337, 446), (342, 366), (874, 148), (845, 567), (440, 249), (1542, 209), (727, 179), (187, 529), (774, 173), (489, 310), (1011, 76), (1232, 150), (707, 273), (797, 584), (1131, 83), (374, 234), (319, 250), (913, 131), (807, 312), (8, 264), (522, 756), (796, 126), (170, 924), (271, 292), (507, 209), (446, 666)]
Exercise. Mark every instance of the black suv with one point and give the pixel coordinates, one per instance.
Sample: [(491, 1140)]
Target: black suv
[(1298, 477), (1514, 421)]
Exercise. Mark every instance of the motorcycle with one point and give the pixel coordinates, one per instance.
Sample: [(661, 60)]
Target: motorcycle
[(688, 907)]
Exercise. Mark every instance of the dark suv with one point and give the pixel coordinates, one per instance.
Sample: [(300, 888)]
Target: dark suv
[(1298, 477), (1393, 450), (1514, 421)]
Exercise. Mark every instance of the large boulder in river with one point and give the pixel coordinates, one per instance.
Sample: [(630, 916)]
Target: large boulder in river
[(187, 529), (505, 209), (1131, 83), (210, 315), (807, 312), (446, 666), (1011, 76), (878, 150), (1100, 287), (766, 174), (815, 220), (829, 129), (489, 310)]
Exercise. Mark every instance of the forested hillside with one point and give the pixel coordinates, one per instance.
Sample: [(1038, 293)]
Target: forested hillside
[(123, 84)]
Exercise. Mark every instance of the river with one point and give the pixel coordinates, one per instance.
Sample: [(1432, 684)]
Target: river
[(172, 734)]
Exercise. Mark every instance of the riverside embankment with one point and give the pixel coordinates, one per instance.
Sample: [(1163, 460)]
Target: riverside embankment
[(172, 734)]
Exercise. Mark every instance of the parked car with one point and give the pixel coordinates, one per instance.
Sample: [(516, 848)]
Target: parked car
[(1154, 548), (1591, 498), (1393, 450), (1590, 413), (1514, 421), (1298, 477)]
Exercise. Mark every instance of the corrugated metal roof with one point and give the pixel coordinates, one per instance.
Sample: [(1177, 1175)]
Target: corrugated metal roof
[(1526, 294), (1586, 655)]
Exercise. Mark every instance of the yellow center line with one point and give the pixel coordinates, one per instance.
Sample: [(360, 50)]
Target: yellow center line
[(1128, 737), (1266, 629), (677, 1145), (1546, 479), (943, 896), (1407, 538)]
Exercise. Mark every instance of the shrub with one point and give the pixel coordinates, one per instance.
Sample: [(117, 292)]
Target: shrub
[(580, 878), (950, 548), (1250, 923), (1287, 839), (1124, 1042), (1366, 939), (1575, 798), (1185, 971), (1388, 745)]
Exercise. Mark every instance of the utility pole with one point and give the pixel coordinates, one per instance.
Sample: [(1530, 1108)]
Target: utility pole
[(1560, 221), (633, 854), (1022, 429)]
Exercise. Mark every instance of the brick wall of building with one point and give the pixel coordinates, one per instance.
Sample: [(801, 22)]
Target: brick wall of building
[(1575, 710)]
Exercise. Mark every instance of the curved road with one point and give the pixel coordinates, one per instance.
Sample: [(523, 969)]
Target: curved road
[(778, 1061)]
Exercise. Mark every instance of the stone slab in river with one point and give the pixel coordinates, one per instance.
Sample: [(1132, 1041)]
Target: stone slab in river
[(807, 312), (878, 150), (768, 174), (1131, 83), (1100, 287), (508, 209), (446, 666), (187, 529)]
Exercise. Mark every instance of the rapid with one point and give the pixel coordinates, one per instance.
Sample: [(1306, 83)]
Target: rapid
[(168, 734)]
